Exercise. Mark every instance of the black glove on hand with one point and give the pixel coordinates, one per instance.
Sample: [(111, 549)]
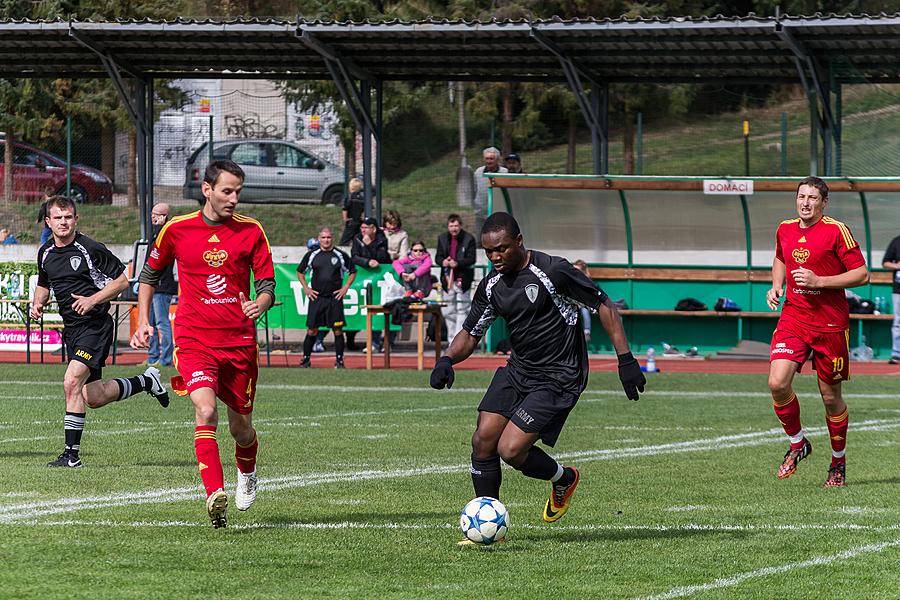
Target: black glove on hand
[(442, 375), (630, 375)]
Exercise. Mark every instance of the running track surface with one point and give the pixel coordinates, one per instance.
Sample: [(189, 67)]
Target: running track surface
[(490, 362)]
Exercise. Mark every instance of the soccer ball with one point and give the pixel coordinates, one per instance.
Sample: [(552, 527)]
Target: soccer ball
[(484, 520)]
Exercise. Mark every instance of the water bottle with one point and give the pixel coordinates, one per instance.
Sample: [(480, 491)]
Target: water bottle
[(651, 360), (879, 305), (439, 293)]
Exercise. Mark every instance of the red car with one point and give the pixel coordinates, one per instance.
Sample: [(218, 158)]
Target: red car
[(38, 172)]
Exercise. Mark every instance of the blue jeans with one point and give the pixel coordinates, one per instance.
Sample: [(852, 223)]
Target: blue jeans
[(895, 327), (159, 318)]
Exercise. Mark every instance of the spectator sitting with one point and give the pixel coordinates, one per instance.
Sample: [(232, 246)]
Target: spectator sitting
[(415, 271), (397, 238), (7, 238), (369, 250)]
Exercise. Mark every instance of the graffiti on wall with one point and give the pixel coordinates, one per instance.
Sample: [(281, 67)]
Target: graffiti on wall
[(250, 125)]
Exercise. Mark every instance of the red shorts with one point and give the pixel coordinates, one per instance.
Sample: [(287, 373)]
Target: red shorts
[(230, 372), (830, 350)]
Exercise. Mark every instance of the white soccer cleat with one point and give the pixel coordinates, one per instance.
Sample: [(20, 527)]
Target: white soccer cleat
[(246, 490), (157, 389), (216, 506)]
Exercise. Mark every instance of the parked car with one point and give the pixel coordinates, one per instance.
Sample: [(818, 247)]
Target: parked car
[(277, 171), (38, 172)]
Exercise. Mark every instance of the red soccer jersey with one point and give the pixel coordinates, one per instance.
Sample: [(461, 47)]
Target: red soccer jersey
[(214, 265), (826, 248)]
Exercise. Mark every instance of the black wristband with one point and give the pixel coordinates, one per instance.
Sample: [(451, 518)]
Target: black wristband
[(626, 358)]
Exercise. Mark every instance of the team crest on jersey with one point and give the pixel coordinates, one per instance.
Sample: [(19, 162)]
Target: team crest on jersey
[(531, 291), (75, 261), (801, 255), (215, 257), (334, 260)]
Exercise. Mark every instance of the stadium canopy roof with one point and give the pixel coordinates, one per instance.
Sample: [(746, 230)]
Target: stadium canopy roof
[(717, 49)]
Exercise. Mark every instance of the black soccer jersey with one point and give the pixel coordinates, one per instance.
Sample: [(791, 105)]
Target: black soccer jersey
[(540, 304), (328, 269), (83, 268)]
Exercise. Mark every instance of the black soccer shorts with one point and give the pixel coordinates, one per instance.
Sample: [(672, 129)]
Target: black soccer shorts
[(89, 343)]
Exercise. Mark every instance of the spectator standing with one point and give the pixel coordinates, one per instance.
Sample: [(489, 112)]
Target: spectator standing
[(368, 251), (353, 211), (397, 238), (46, 233), (326, 289), (161, 346), (456, 257), (491, 157), (415, 271), (892, 261), (514, 163)]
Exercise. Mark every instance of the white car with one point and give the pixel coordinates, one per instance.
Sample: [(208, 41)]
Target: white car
[(276, 172)]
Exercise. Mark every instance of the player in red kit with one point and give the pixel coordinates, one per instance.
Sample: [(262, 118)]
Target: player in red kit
[(215, 334), (817, 257)]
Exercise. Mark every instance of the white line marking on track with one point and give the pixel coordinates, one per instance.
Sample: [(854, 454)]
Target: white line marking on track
[(690, 590), (30, 510)]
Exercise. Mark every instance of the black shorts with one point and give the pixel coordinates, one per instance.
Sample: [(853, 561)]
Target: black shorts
[(89, 343), (534, 407), (325, 311)]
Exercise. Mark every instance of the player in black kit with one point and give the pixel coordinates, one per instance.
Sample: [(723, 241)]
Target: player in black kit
[(84, 276), (326, 290), (530, 398)]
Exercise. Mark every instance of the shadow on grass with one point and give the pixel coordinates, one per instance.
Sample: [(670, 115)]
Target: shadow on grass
[(614, 535), (888, 480), (27, 454)]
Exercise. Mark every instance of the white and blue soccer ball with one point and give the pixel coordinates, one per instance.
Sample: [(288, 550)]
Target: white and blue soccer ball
[(484, 520)]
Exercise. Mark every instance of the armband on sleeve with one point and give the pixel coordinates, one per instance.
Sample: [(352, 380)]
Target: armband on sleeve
[(150, 276), (265, 286)]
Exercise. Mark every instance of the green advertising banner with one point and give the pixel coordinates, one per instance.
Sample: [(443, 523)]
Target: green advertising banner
[(291, 314)]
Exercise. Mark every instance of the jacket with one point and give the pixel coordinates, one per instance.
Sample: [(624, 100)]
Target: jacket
[(361, 253), (465, 257)]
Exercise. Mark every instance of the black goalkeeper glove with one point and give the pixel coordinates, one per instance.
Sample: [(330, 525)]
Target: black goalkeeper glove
[(630, 375), (442, 375)]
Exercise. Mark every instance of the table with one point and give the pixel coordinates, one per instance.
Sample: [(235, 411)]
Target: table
[(418, 309)]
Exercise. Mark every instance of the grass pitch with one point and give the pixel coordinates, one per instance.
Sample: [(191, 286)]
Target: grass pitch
[(363, 475)]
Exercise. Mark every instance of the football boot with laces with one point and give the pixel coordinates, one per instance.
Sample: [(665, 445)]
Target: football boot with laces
[(560, 498), (837, 475), (792, 458)]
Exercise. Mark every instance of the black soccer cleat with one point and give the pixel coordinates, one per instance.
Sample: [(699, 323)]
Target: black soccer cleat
[(339, 363), (67, 461), (157, 389), (305, 364), (837, 476), (792, 458)]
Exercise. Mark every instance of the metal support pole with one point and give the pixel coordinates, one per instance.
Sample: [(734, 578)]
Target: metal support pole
[(151, 158), (69, 156), (639, 166), (838, 129), (212, 140), (366, 100), (784, 138), (379, 128), (139, 94)]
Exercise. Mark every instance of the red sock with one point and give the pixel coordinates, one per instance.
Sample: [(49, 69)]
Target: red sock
[(207, 450), (788, 412), (246, 455), (837, 431)]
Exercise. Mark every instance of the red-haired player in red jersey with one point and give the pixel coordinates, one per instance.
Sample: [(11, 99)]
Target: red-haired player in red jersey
[(215, 335), (818, 258)]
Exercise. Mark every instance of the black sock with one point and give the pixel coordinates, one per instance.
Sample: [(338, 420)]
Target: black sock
[(486, 476), (539, 465), (308, 344), (339, 346), (129, 386), (74, 426), (567, 477)]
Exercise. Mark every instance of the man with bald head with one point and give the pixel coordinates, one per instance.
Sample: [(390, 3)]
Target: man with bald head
[(321, 274), (161, 346)]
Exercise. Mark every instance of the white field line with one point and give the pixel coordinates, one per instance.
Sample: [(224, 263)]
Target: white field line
[(690, 590), (481, 390), (712, 528), (30, 510)]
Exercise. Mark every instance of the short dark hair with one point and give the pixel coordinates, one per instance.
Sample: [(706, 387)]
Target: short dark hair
[(501, 221), (216, 167), (454, 217), (61, 202), (817, 183)]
